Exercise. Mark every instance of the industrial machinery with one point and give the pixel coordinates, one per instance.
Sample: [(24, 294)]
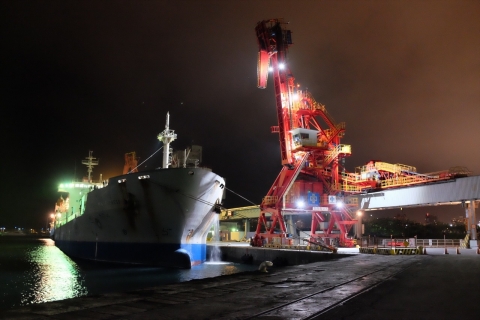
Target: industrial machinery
[(313, 178), (310, 147), (131, 161)]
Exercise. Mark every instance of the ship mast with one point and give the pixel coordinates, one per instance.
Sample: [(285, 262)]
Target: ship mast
[(90, 162), (166, 136)]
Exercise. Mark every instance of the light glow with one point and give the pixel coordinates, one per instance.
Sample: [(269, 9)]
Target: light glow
[(300, 203), (73, 185), (217, 262)]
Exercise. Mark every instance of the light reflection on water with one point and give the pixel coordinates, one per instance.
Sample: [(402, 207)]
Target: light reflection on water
[(53, 275), (216, 262), (35, 271)]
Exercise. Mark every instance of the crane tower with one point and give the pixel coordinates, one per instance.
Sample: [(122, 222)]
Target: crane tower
[(311, 154)]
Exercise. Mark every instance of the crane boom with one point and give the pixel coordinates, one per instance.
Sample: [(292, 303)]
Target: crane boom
[(273, 43)]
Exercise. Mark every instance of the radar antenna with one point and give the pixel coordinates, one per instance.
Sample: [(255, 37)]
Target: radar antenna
[(167, 136), (90, 162)]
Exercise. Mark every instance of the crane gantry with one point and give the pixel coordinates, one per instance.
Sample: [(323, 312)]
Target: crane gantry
[(310, 180)]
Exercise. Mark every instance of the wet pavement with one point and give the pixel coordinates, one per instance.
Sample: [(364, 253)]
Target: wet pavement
[(433, 286), (436, 286)]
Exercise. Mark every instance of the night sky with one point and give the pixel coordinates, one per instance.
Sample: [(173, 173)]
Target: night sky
[(101, 75)]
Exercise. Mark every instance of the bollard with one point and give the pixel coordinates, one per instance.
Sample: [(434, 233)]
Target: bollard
[(445, 251), (458, 251), (424, 250), (478, 251)]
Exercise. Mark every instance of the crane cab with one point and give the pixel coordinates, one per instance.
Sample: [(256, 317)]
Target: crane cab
[(302, 137)]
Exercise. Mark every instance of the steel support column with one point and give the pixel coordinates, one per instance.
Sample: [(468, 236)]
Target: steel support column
[(290, 227), (247, 226), (358, 226), (472, 224)]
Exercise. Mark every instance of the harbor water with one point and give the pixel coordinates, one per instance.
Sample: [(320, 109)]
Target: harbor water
[(33, 270)]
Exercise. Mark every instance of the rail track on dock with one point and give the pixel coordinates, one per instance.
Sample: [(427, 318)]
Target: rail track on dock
[(314, 304)]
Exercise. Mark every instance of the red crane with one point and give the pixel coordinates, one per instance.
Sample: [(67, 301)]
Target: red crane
[(311, 154), (310, 147)]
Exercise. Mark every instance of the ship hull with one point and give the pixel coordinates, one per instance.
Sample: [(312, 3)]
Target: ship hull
[(159, 217)]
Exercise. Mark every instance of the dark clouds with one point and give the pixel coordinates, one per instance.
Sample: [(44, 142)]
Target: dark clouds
[(100, 75)]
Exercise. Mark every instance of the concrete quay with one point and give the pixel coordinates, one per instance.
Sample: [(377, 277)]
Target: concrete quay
[(243, 252), (343, 287)]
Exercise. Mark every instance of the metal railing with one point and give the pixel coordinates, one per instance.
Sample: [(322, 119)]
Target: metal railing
[(440, 243), (409, 243)]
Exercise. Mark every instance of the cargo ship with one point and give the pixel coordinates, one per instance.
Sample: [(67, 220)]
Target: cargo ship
[(159, 217)]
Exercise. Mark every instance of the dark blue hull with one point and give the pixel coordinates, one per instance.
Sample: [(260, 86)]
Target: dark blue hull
[(164, 255)]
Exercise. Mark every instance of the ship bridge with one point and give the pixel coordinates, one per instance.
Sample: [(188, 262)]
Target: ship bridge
[(464, 190)]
